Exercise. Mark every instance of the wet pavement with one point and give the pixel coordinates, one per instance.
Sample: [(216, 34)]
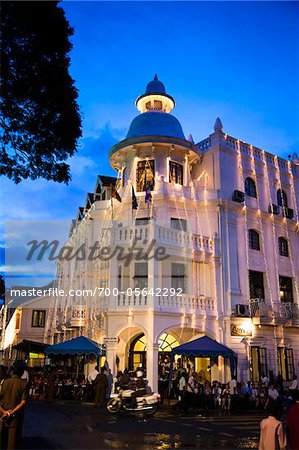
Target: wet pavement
[(75, 426)]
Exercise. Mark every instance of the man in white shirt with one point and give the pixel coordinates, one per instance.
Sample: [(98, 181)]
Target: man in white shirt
[(265, 380), (25, 375), (294, 385), (93, 374), (273, 395), (233, 386), (182, 385)]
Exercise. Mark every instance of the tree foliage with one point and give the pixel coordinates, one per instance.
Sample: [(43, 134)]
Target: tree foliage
[(40, 120)]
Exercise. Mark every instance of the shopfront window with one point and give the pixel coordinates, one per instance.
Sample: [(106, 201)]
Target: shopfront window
[(258, 363), (285, 359)]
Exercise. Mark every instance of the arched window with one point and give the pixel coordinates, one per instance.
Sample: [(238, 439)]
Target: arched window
[(254, 240), (167, 342), (282, 199), (283, 246), (138, 348), (250, 187)]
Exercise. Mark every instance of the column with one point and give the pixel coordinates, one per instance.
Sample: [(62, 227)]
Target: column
[(152, 366), (153, 270), (113, 282), (111, 357)]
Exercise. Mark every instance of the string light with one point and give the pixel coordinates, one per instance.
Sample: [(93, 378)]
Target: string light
[(285, 222), (275, 263), (247, 298)]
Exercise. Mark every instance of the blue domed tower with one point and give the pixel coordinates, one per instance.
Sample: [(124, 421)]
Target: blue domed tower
[(154, 134)]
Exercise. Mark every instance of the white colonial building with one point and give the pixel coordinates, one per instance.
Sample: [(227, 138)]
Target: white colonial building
[(223, 215)]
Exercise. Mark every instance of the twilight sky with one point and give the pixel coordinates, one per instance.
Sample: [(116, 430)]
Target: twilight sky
[(236, 60)]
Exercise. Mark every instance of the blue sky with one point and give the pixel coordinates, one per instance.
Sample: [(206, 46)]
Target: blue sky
[(236, 60)]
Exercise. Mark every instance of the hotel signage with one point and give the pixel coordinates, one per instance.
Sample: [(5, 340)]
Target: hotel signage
[(241, 328)]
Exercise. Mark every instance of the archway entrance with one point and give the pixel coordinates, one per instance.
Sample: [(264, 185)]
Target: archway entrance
[(137, 350)]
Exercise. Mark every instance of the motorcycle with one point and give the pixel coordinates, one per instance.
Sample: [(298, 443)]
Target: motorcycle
[(147, 403)]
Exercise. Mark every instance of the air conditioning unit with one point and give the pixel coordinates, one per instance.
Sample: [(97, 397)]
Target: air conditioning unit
[(274, 209), (238, 196), (288, 213), (242, 311)]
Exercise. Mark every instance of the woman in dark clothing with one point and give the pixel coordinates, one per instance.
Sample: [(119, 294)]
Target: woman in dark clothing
[(101, 384), (51, 385)]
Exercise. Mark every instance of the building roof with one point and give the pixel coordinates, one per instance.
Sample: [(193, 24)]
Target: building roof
[(155, 87), (155, 123), (107, 181)]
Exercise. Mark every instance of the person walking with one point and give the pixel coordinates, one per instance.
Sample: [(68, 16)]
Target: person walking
[(110, 384), (293, 423), (294, 386), (91, 379), (271, 430), (101, 384), (12, 406), (93, 374), (51, 386)]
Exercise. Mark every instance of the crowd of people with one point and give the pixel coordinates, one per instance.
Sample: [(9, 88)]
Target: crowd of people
[(192, 391), (189, 390)]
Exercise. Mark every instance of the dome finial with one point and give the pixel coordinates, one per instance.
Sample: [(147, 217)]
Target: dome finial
[(218, 125), (155, 98)]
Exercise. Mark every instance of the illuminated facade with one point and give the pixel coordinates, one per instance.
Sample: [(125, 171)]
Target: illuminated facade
[(226, 214)]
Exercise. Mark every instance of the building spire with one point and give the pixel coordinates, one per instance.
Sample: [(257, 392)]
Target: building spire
[(156, 77), (190, 138), (295, 159), (218, 125)]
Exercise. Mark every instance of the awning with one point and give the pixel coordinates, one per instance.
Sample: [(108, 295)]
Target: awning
[(78, 346), (206, 347), (30, 346)]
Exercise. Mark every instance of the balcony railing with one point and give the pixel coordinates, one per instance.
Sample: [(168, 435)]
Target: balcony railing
[(267, 310), (171, 303), (164, 235), (199, 303)]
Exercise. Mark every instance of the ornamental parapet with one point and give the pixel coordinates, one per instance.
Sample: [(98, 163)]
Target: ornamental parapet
[(271, 312)]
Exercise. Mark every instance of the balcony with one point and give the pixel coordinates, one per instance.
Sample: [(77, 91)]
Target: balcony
[(267, 311), (75, 317), (201, 246), (184, 303)]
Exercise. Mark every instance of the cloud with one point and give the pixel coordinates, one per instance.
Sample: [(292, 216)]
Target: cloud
[(79, 164)]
